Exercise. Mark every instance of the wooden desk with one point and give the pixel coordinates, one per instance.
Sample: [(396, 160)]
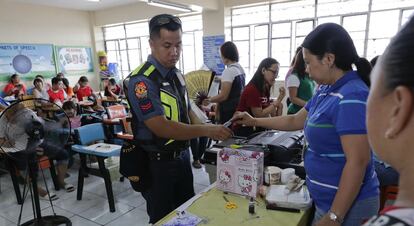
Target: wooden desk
[(85, 103), (210, 205), (50, 110)]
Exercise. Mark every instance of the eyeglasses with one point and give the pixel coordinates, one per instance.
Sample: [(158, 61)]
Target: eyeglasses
[(163, 20), (274, 72)]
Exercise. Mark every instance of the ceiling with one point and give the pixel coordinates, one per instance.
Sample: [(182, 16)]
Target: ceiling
[(80, 4), (107, 4)]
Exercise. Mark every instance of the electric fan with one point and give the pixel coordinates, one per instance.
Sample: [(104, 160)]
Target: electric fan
[(198, 85), (23, 128)]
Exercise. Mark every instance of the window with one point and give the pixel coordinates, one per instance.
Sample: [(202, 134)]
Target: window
[(290, 21), (128, 45), (302, 29), (293, 10), (341, 7), (281, 47), (332, 19), (250, 15), (391, 4), (407, 14), (241, 38), (383, 26), (356, 27)]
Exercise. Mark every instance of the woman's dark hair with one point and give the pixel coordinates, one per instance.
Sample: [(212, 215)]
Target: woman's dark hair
[(65, 82), (258, 77), (56, 80), (112, 81), (83, 79), (36, 80), (69, 105), (60, 75), (229, 51), (40, 76), (398, 58), (299, 67), (374, 60), (13, 76), (294, 57), (333, 38)]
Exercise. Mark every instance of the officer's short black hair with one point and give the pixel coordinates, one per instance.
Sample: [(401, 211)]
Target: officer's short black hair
[(56, 80), (166, 21)]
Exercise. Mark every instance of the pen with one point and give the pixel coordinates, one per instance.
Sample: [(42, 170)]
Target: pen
[(228, 123)]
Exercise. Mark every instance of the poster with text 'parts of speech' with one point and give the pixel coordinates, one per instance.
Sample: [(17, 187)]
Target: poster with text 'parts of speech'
[(27, 60), (74, 60)]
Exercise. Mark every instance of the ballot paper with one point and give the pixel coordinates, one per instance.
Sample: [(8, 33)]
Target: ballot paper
[(183, 219), (214, 88), (279, 195)]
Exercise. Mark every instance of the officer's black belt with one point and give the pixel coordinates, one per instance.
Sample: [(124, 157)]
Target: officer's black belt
[(164, 155)]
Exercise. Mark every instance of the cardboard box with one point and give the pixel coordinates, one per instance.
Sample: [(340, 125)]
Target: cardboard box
[(240, 171)]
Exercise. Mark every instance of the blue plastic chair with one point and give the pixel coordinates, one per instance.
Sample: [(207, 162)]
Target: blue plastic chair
[(85, 137)]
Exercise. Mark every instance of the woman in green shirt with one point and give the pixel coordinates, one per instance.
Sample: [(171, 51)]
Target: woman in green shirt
[(299, 85)]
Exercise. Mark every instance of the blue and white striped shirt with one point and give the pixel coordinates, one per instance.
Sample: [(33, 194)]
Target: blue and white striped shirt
[(334, 111)]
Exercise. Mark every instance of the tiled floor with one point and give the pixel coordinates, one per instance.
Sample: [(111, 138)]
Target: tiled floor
[(93, 209)]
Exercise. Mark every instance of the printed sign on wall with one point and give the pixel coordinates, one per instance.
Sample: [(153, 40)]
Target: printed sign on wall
[(74, 60), (27, 60), (211, 53)]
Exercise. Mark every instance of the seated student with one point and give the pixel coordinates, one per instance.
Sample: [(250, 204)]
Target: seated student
[(15, 88), (112, 89), (255, 98), (71, 111), (68, 89), (390, 122), (76, 120), (46, 85), (39, 91), (84, 91), (13, 118), (56, 93), (60, 75)]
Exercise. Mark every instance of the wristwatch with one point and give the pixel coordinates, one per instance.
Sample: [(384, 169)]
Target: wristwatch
[(334, 217)]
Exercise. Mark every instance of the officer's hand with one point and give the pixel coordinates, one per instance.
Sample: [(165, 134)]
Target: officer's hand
[(243, 118), (218, 132)]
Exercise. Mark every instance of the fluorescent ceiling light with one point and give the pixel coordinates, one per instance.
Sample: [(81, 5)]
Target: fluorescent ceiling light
[(169, 5), (93, 0)]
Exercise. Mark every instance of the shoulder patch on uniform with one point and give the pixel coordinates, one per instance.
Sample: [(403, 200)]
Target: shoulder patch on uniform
[(141, 90), (146, 106)]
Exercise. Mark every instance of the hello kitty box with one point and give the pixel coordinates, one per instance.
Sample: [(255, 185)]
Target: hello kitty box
[(240, 171)]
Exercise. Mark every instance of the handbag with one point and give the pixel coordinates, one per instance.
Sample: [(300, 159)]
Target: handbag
[(134, 165)]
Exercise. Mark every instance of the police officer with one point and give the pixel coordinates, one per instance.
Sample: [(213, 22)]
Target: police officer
[(161, 117)]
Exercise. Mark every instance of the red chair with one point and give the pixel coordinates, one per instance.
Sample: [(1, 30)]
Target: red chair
[(388, 193), (44, 163)]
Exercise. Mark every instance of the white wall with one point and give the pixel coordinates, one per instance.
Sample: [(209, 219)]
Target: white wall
[(128, 13), (26, 23)]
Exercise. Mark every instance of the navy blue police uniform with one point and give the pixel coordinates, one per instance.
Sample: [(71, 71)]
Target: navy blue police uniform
[(154, 90)]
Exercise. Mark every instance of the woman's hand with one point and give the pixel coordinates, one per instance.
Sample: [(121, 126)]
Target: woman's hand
[(282, 93), (325, 221), (243, 118)]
